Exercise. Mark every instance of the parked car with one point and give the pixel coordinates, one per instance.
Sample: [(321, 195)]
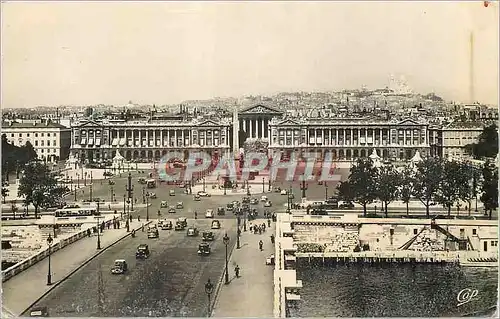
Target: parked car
[(192, 232), (216, 224), (268, 204), (254, 201), (183, 221), (141, 180), (151, 195), (221, 211), (203, 249), (203, 194), (208, 236), (163, 204), (179, 205), (179, 226), (166, 225), (153, 232), (120, 267), (283, 192), (263, 198), (171, 210), (209, 213), (171, 192), (197, 197), (245, 200), (142, 251), (39, 312)]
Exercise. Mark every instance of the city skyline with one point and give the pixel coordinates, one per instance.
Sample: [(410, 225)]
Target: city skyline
[(170, 52)]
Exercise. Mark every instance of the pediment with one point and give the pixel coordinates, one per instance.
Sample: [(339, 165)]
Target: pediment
[(208, 123), (289, 122), (408, 122), (260, 109), (89, 123)]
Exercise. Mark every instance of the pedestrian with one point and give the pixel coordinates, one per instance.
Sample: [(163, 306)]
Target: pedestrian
[(118, 224), (88, 232), (142, 228), (130, 218), (268, 222), (138, 218), (195, 215), (272, 239), (159, 213), (251, 227), (237, 271), (260, 244), (260, 230)]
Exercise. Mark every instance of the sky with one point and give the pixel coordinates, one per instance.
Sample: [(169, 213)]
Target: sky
[(77, 53)]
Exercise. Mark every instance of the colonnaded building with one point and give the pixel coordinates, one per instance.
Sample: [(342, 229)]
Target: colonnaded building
[(346, 137)]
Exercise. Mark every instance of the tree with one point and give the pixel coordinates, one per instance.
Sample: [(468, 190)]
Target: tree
[(345, 191), (362, 180), (387, 182), (14, 157), (406, 187), (427, 181), (487, 145), (5, 192), (489, 198), (39, 186), (453, 184), (29, 152)]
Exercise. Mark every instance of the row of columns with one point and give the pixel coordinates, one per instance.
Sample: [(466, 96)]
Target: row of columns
[(133, 154), (340, 153), (256, 128), (348, 139)]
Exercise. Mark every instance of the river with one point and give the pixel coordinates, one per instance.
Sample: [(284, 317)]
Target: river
[(392, 290)]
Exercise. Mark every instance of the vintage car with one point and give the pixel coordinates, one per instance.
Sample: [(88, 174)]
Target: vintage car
[(263, 198), (142, 251), (39, 312), (153, 232), (171, 210), (208, 236), (221, 211), (283, 192), (270, 260), (111, 182), (209, 213), (179, 205), (230, 207), (179, 226), (197, 197), (120, 267), (166, 225), (203, 194), (203, 249), (268, 204), (141, 180), (254, 201), (151, 195), (163, 204), (183, 221), (192, 232), (216, 224), (245, 200), (171, 192)]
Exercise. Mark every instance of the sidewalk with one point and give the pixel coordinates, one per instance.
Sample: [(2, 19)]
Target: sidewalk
[(22, 290), (251, 295)]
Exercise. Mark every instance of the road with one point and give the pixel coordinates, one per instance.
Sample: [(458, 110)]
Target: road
[(168, 284)]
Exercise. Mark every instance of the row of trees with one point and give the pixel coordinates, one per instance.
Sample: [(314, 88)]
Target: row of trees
[(432, 181)]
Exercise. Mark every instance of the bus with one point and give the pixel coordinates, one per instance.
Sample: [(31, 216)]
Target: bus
[(76, 212)]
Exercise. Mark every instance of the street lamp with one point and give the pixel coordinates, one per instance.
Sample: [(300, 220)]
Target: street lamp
[(225, 239), (143, 195), (248, 188), (326, 191), (128, 215), (124, 206), (238, 238), (209, 289), (203, 183), (91, 178), (49, 275), (245, 220), (78, 180), (147, 208), (263, 185), (98, 228), (90, 192), (85, 179)]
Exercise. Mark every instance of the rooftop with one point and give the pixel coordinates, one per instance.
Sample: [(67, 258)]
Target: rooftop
[(32, 125)]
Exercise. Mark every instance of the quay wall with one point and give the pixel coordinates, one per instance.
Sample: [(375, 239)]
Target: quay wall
[(344, 233)]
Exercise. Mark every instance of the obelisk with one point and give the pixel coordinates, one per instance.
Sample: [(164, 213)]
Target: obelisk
[(236, 130)]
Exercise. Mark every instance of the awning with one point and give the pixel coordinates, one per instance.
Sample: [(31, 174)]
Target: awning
[(91, 141), (115, 142), (84, 141), (122, 141), (97, 142)]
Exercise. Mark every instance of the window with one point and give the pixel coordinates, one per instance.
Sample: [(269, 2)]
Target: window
[(41, 143), (20, 134), (42, 150), (54, 143), (36, 143), (12, 135), (48, 134), (48, 143), (36, 134), (474, 231), (41, 134), (28, 134), (415, 231)]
